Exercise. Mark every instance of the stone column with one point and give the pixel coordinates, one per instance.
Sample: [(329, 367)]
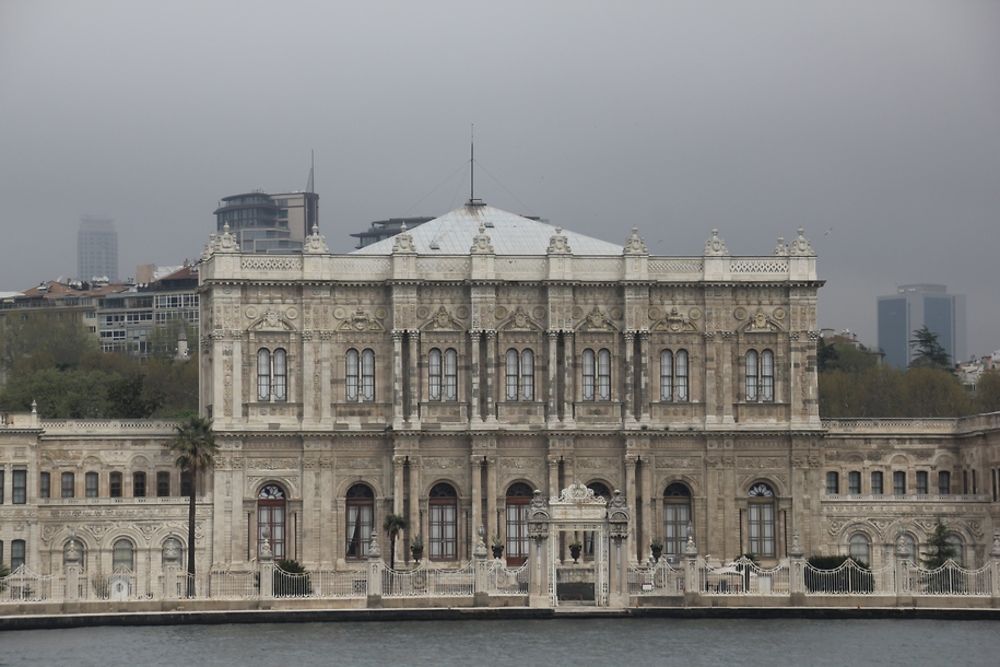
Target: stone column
[(569, 377), (553, 461), (397, 378), (475, 471), (629, 393), (995, 570), (326, 379), (491, 358), (475, 373), (553, 377), (630, 493), (398, 461), (725, 353), (491, 495), (648, 498), (644, 398), (414, 518), (413, 414)]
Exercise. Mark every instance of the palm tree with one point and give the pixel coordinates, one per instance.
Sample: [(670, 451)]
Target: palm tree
[(392, 525), (195, 448)]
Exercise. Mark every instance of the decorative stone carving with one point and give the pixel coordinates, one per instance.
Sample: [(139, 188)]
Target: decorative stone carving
[(715, 246), (675, 322), (618, 516), (596, 320), (403, 243), (360, 321), (801, 247), (315, 244), (781, 250), (759, 322), (538, 517), (520, 321), (634, 245), (577, 493), (481, 243), (271, 320), (559, 244), (442, 320)]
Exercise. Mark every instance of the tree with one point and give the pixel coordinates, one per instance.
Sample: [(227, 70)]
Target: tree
[(988, 392), (939, 550), (928, 352), (933, 392), (195, 448), (392, 525)]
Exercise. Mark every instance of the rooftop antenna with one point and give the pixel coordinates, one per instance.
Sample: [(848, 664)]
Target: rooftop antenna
[(472, 167), (310, 182)]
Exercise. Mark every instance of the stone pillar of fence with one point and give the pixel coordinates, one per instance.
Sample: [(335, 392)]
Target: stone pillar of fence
[(904, 597), (692, 582), (539, 555), (995, 571), (796, 572), (265, 570), (169, 589), (73, 572), (480, 591), (376, 568)]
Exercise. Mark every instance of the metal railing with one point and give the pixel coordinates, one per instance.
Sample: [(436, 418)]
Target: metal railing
[(657, 579)]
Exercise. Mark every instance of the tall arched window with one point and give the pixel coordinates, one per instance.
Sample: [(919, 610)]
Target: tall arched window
[(587, 367), (518, 499), (368, 375), (352, 371), (434, 374), (443, 522), (91, 484), (666, 375), (512, 374), (944, 482), (604, 375), (767, 376), (676, 517), (138, 484), (263, 374), (751, 375), (861, 549), (832, 483), (674, 376), (762, 524), (360, 520), (759, 372), (527, 375), (115, 484), (854, 483), (271, 519), (279, 376), (450, 375), (600, 490), (681, 375), (123, 555)]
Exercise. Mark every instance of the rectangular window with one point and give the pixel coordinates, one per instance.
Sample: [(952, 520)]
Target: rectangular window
[(682, 375), (832, 483), (877, 488), (587, 368), (44, 485), (91, 482), (965, 481), (19, 487), (115, 484), (368, 376), (676, 518), (922, 483), (604, 375), (994, 474), (762, 529), (767, 376), (854, 483), (17, 550), (975, 487), (360, 520), (139, 484), (944, 482), (517, 532), (433, 375), (162, 484), (1, 486), (450, 376), (68, 484), (899, 483), (186, 485), (444, 531), (666, 375)]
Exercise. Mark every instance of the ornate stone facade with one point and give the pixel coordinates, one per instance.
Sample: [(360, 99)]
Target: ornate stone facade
[(438, 385)]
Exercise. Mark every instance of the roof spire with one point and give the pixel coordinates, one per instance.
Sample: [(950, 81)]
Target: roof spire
[(472, 168)]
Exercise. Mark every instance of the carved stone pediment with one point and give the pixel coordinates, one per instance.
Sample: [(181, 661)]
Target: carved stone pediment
[(442, 320), (675, 322), (520, 321), (578, 494), (761, 322), (271, 320), (359, 320), (596, 320)]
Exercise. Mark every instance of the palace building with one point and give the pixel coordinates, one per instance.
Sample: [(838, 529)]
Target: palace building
[(446, 373)]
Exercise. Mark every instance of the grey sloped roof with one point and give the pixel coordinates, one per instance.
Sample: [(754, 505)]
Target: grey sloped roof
[(510, 234)]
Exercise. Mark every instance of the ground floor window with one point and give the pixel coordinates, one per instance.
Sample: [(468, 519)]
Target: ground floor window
[(271, 519), (360, 520), (443, 522)]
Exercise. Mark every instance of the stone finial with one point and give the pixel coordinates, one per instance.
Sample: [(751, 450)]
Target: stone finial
[(226, 241), (801, 247), (796, 551), (315, 244), (690, 549), (403, 243), (34, 407), (481, 243), (480, 550), (73, 553), (373, 550), (781, 250), (559, 244), (715, 246), (634, 245), (995, 551), (265, 550)]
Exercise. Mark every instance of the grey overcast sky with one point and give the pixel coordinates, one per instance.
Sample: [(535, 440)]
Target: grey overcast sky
[(875, 124)]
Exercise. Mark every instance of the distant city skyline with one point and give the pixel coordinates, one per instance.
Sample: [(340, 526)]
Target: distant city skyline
[(913, 307), (876, 126), (97, 249)]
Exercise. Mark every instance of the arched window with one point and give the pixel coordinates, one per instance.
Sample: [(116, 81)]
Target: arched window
[(878, 487), (360, 520), (854, 483), (352, 368), (767, 376), (944, 482), (588, 368), (368, 375), (832, 483), (123, 555), (162, 483), (899, 483), (91, 484), (138, 484), (512, 374), (527, 375), (263, 374), (762, 524), (271, 519), (518, 499), (922, 482), (666, 375), (604, 375), (861, 549), (272, 375), (907, 544), (957, 545), (115, 484), (681, 375), (676, 517), (600, 490), (443, 522), (450, 375), (751, 375), (17, 554), (172, 552), (434, 374), (67, 485)]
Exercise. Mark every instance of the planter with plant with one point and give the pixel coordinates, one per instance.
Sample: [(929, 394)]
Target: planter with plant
[(656, 548), (575, 548), (497, 547), (417, 549)]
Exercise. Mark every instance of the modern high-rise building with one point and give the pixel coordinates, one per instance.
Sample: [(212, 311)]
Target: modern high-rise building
[(914, 306), (264, 223), (97, 249)]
